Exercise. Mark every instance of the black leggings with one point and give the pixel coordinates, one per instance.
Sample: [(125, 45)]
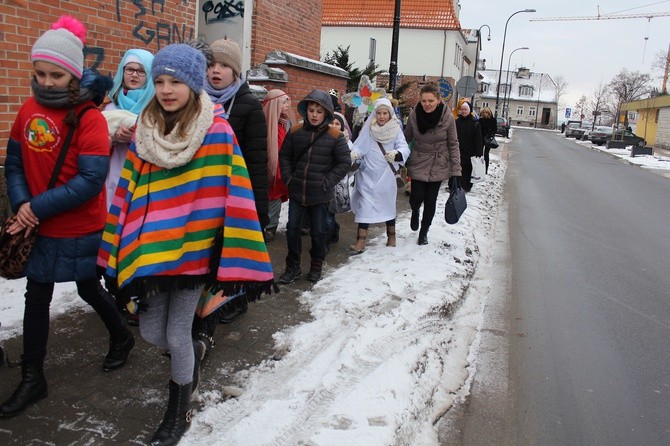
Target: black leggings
[(367, 225), (36, 315), (424, 192)]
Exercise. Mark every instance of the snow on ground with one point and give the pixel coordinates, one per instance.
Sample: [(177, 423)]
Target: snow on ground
[(388, 349)]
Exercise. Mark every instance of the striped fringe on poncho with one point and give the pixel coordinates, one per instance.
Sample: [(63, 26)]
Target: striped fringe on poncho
[(162, 227)]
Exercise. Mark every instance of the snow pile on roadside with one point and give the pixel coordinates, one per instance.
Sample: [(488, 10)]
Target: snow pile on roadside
[(386, 353)]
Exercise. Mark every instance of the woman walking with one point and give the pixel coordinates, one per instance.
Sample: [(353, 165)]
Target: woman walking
[(435, 155)]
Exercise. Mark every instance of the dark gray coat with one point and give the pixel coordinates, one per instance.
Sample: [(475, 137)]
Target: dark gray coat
[(313, 160)]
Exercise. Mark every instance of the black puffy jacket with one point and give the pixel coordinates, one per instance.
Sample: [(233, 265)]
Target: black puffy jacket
[(313, 160), (248, 122), (469, 137)]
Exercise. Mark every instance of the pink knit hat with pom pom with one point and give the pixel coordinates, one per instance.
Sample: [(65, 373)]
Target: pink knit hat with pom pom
[(62, 45)]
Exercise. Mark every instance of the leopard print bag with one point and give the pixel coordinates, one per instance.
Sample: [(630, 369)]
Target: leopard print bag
[(15, 250)]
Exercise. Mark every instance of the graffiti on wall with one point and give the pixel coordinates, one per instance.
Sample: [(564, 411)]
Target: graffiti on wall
[(222, 11), (98, 55), (164, 32)]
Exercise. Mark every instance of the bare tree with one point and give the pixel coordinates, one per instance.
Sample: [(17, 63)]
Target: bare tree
[(581, 106), (561, 89), (597, 102), (627, 86)]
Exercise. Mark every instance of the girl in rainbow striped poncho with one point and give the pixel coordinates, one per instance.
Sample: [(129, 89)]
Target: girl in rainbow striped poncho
[(182, 220)]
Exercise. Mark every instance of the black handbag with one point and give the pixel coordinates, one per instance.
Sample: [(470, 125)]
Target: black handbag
[(456, 203), (490, 142), (15, 249)]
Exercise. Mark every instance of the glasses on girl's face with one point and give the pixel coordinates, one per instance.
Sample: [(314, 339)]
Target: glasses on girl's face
[(130, 71)]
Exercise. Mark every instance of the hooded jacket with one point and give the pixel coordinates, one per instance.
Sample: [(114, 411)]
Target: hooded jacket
[(312, 159)]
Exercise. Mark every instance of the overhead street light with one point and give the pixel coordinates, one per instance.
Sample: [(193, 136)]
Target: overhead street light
[(479, 45), (502, 55), (507, 86)]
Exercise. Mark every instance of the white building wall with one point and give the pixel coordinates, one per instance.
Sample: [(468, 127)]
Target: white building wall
[(429, 52), (663, 128)]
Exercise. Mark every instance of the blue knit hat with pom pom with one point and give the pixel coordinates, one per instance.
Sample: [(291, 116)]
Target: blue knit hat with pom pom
[(183, 62)]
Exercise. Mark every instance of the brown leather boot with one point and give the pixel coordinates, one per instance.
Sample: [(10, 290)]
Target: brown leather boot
[(390, 234), (361, 241)]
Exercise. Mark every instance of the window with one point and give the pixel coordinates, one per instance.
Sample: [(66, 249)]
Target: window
[(485, 87), (504, 88), (531, 111), (525, 90), (658, 113), (519, 110), (485, 104), (458, 55)]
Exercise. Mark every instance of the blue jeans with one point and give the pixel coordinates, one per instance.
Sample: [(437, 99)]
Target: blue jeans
[(317, 214)]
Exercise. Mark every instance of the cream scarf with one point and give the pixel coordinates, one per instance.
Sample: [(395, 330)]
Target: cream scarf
[(170, 151), (385, 133)]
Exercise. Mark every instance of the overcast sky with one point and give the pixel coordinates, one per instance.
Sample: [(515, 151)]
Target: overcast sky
[(584, 52)]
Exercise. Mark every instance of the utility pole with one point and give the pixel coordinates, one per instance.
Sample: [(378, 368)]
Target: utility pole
[(665, 74), (393, 68)]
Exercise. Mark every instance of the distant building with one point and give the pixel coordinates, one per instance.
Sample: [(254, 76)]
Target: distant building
[(527, 99), (431, 44)]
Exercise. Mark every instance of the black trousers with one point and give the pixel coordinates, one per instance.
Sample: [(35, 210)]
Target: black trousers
[(425, 193), (36, 315)]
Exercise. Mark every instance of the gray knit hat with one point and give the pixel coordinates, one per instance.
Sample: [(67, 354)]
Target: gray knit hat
[(182, 62), (62, 45), (228, 53)]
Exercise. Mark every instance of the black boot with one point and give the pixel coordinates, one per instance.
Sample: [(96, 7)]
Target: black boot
[(203, 333), (314, 274), (33, 387), (423, 236), (120, 345), (177, 417), (229, 312), (291, 274)]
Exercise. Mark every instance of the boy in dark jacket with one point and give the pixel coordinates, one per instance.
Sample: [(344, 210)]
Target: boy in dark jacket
[(313, 159)]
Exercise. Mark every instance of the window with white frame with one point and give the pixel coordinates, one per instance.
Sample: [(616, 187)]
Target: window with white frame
[(519, 110), (485, 87), (526, 90), (531, 111), (485, 104), (504, 88), (458, 55)]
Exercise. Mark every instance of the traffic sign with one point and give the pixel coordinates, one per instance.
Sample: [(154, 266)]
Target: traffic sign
[(568, 112), (446, 90), (466, 86)]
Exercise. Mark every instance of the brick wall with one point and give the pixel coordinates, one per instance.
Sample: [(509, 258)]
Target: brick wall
[(293, 26), (111, 31), (302, 81)]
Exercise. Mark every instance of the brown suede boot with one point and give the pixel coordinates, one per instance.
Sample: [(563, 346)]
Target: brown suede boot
[(361, 241), (390, 235)]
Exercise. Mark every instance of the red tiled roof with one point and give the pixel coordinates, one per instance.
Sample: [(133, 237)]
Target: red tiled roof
[(422, 14)]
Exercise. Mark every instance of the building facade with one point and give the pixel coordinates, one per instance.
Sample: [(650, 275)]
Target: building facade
[(526, 99)]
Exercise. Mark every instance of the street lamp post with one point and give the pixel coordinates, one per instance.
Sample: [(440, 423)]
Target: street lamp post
[(502, 55), (393, 67), (479, 44), (507, 86)]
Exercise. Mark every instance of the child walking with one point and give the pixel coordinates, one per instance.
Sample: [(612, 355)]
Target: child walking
[(182, 219), (313, 159), (71, 215)]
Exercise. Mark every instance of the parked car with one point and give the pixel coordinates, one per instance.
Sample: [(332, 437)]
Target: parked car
[(600, 135), (503, 127), (604, 134), (571, 130)]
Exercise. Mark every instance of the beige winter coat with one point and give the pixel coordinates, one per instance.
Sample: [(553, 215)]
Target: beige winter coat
[(435, 154)]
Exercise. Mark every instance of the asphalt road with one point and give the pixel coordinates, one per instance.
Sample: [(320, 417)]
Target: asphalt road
[(575, 345)]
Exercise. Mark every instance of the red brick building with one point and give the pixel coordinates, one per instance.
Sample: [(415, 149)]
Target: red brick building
[(289, 33)]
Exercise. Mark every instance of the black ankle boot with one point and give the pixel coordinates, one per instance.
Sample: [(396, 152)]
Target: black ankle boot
[(314, 274), (291, 274), (177, 417), (33, 388), (120, 345), (423, 236)]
